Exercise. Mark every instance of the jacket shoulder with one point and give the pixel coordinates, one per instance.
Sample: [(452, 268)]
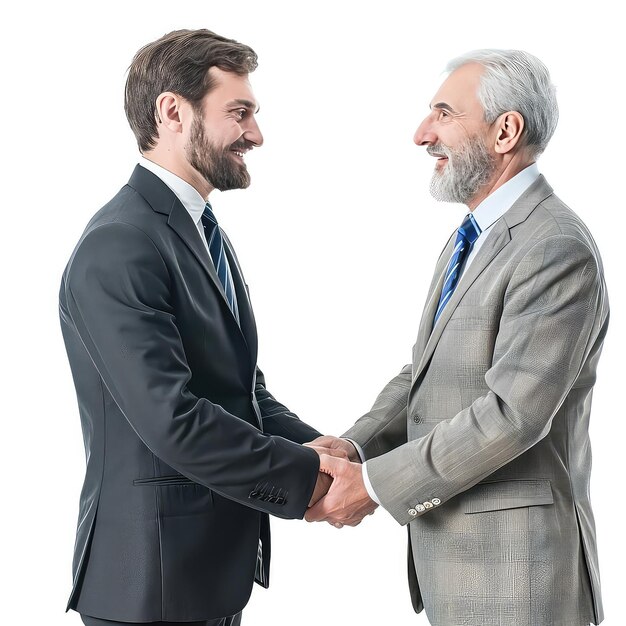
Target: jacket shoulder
[(128, 207), (553, 217), (553, 220)]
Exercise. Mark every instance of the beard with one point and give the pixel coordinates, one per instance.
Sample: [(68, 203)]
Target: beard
[(468, 169), (216, 164)]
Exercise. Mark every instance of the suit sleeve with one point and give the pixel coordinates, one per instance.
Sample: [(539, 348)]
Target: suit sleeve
[(383, 428), (118, 295), (551, 319), (278, 419)]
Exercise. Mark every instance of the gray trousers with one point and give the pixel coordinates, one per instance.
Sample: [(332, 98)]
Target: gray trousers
[(234, 620)]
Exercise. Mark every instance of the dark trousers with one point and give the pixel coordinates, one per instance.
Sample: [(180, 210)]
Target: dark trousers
[(234, 620)]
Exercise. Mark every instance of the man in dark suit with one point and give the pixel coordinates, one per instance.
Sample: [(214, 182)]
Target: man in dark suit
[(187, 451)]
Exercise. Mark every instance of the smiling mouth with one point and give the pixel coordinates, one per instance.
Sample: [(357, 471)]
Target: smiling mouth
[(240, 150)]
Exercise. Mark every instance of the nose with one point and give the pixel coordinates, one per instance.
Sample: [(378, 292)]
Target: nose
[(425, 135), (253, 132)]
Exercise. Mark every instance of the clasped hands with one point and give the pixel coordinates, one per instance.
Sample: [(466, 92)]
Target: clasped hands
[(340, 496)]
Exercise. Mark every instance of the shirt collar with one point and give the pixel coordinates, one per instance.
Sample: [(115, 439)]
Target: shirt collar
[(190, 198), (495, 205)]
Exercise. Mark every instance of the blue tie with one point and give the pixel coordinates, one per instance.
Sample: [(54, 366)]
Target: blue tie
[(466, 236), (216, 248)]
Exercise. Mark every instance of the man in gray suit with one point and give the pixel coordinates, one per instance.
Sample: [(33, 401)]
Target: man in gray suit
[(481, 445)]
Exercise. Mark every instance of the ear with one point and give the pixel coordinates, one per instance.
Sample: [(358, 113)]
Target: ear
[(509, 127), (168, 111)]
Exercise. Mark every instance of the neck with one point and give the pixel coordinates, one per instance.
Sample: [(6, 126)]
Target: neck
[(169, 161), (501, 176)]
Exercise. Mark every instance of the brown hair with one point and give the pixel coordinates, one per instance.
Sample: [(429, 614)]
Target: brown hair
[(178, 62)]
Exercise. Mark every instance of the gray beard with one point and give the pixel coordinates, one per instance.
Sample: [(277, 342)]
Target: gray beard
[(468, 169), (215, 164)]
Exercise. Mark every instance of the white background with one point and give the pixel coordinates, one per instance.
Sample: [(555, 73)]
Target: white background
[(337, 235)]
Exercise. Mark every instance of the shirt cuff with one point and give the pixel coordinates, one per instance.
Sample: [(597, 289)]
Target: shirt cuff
[(358, 448), (368, 485)]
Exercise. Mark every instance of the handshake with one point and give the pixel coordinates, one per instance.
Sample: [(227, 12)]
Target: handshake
[(340, 497)]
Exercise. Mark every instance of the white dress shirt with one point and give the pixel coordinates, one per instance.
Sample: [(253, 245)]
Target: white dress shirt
[(486, 214)]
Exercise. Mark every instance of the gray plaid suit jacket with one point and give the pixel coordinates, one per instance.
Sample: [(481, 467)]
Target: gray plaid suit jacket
[(481, 445)]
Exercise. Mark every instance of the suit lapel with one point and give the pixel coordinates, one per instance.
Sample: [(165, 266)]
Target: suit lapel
[(497, 239), (180, 221), (163, 200)]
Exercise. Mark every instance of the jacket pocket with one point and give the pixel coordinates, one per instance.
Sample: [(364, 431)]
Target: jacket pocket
[(508, 494), (163, 481)]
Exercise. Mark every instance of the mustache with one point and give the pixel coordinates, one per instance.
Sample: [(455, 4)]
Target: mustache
[(242, 144), (439, 149)]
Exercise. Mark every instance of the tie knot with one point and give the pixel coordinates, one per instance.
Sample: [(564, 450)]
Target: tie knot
[(469, 229), (208, 213)]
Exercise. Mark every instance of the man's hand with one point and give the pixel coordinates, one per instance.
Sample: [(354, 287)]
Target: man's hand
[(334, 446), (347, 501), (321, 487)]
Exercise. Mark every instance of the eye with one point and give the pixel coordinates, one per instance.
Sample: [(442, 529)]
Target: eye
[(443, 113), (240, 113)]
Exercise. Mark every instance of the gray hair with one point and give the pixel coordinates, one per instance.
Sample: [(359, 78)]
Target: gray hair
[(514, 80)]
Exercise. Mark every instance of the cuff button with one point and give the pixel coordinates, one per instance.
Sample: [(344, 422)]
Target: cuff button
[(412, 512)]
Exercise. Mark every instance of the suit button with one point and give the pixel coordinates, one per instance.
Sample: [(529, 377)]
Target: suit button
[(436, 501), (420, 508), (428, 505), (412, 512), (416, 419)]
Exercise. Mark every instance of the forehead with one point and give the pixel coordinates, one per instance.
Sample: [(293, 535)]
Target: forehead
[(460, 90), (229, 86)]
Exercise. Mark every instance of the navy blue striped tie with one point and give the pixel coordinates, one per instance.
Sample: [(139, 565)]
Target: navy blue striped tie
[(216, 248), (466, 236)]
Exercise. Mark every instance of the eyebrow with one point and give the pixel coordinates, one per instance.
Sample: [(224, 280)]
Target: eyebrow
[(443, 105), (246, 103)]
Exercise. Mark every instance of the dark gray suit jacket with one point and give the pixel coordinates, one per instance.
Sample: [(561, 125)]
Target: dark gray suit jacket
[(187, 451)]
